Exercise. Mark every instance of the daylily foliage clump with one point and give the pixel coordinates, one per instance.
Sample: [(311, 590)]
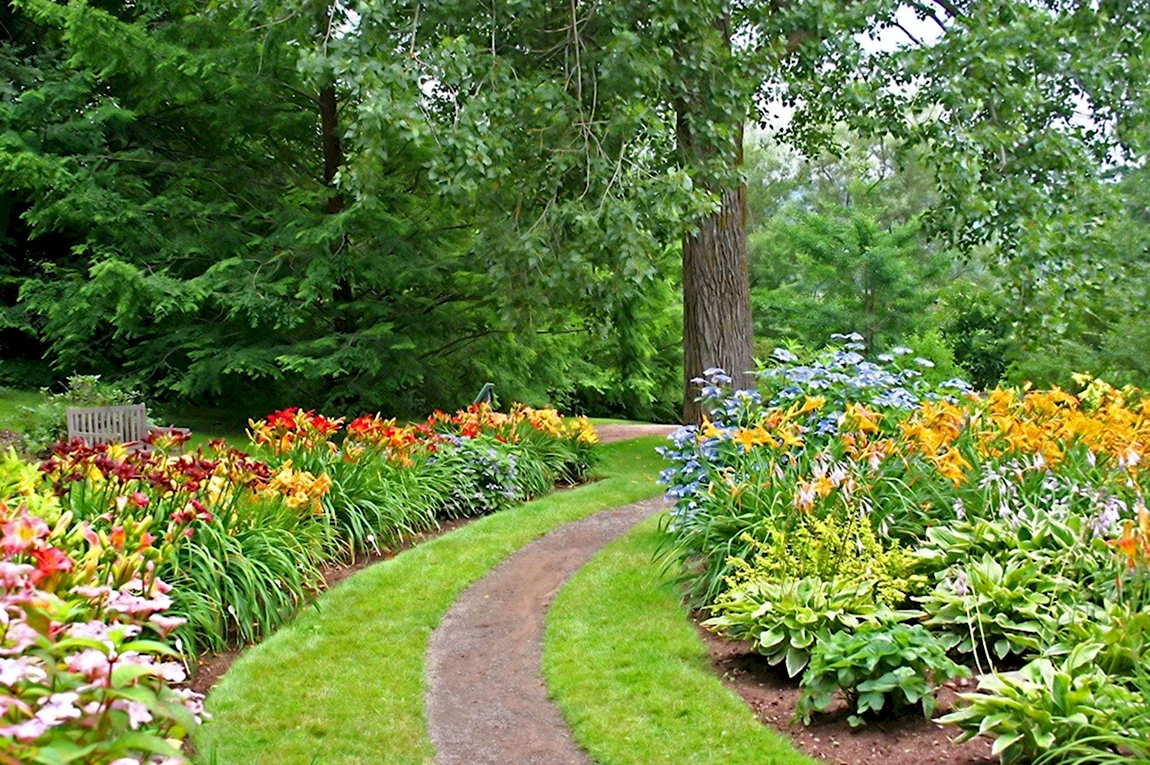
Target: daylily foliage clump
[(1011, 525)]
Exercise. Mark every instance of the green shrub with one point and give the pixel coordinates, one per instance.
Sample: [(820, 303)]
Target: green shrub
[(786, 618), (879, 670), (1045, 704), (983, 343), (932, 345)]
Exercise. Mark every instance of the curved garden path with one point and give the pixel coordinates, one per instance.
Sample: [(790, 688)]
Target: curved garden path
[(623, 431), (486, 699)]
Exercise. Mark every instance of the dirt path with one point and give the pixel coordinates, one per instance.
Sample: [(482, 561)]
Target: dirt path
[(609, 433), (486, 699)]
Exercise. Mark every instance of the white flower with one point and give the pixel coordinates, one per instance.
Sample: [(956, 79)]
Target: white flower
[(13, 671), (138, 714), (58, 708)]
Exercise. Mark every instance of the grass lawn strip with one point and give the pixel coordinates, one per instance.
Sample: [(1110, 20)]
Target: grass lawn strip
[(345, 682), (10, 403), (631, 676)]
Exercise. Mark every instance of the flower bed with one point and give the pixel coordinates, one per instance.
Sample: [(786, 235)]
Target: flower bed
[(114, 564), (877, 535)]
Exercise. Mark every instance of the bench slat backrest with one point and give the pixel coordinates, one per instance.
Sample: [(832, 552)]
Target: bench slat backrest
[(108, 424)]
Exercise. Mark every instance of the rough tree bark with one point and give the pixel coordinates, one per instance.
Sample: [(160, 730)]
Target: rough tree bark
[(717, 327)]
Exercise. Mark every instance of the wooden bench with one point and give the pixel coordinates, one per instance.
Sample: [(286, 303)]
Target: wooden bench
[(114, 424)]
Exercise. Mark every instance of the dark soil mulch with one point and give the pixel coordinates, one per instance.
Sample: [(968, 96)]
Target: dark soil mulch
[(906, 740)]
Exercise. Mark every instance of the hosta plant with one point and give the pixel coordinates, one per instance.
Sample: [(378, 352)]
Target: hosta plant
[(785, 619), (995, 610), (881, 670), (1127, 742), (1045, 704), (1122, 631), (1064, 545)]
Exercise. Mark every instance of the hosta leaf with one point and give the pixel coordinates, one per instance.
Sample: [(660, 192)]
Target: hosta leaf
[(1083, 654), (802, 639), (1059, 690), (987, 723), (1078, 719), (771, 638), (1002, 743), (796, 660)]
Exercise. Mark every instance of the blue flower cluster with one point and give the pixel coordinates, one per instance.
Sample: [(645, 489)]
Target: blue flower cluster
[(693, 458), (845, 376), (487, 476), (841, 375)]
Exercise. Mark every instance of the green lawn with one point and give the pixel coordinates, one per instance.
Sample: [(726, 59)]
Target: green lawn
[(10, 403), (632, 677), (344, 683)]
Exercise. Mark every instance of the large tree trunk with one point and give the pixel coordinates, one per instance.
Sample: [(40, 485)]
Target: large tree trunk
[(717, 327)]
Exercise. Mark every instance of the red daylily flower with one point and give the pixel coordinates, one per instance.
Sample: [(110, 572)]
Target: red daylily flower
[(49, 560)]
